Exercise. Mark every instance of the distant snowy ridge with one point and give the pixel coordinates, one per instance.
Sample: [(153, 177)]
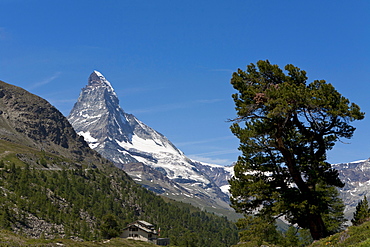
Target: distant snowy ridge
[(356, 176), (219, 174)]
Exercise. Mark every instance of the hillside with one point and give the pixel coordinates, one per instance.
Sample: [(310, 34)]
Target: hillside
[(31, 121), (52, 185), (354, 236), (8, 238)]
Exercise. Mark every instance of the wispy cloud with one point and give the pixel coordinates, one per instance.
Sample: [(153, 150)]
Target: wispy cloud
[(213, 157), (4, 35), (210, 160), (182, 144), (45, 81), (62, 101), (219, 152), (229, 71), (174, 106)]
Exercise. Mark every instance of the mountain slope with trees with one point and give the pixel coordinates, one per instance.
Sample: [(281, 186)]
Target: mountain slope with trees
[(53, 185)]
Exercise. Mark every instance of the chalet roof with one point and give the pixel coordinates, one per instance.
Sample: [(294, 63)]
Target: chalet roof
[(143, 225), (142, 222)]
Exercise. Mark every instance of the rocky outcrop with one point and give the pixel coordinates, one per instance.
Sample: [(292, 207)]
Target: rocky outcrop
[(33, 227), (30, 120)]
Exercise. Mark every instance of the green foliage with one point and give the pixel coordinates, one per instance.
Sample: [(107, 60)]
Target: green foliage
[(333, 216), (109, 227), (294, 237), (93, 204), (291, 237), (257, 231), (362, 212), (285, 126), (43, 162)]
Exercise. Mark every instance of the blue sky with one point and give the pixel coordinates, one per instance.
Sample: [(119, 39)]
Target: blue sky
[(170, 62)]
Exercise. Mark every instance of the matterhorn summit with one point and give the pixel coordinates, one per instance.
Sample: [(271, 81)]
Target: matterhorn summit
[(115, 134), (146, 155), (97, 79)]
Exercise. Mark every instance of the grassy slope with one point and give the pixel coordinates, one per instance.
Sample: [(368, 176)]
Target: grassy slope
[(8, 238), (354, 236)]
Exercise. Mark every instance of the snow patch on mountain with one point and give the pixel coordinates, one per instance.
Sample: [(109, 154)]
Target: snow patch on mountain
[(87, 136), (225, 189), (93, 142), (147, 145)]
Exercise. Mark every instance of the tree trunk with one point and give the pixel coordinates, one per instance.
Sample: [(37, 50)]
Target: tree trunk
[(315, 223), (317, 226)]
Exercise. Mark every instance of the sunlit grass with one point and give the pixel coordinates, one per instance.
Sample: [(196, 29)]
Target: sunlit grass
[(8, 238)]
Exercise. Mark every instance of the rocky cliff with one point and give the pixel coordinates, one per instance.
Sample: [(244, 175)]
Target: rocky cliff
[(30, 120)]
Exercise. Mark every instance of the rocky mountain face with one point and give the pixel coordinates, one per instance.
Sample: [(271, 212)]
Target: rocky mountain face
[(30, 120), (220, 175), (356, 176), (146, 155)]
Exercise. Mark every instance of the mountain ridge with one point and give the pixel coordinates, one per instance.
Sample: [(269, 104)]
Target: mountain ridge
[(356, 176), (123, 139), (31, 120)]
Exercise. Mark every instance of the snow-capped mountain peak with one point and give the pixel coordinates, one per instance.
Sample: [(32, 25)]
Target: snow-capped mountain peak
[(97, 79), (127, 141)]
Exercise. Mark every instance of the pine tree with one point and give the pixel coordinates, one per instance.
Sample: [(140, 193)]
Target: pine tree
[(291, 237), (109, 228), (362, 212), (257, 230), (285, 126)]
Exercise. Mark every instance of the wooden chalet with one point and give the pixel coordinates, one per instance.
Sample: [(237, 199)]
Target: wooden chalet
[(144, 231)]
